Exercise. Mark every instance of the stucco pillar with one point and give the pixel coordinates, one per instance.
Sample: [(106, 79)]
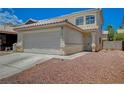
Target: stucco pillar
[(62, 41), (93, 41), (20, 42)]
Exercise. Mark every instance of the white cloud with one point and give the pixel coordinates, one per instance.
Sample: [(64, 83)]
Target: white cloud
[(7, 16)]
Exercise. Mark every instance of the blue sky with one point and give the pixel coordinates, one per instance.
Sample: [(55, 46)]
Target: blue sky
[(111, 16)]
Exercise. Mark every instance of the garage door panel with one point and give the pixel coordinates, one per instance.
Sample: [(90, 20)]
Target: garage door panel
[(42, 40)]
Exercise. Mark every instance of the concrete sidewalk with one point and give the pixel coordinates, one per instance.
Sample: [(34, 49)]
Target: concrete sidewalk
[(71, 57)]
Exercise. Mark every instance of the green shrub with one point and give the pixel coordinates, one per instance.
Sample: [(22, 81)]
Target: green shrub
[(111, 36), (119, 36)]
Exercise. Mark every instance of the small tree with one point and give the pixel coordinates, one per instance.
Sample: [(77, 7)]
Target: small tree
[(110, 30)]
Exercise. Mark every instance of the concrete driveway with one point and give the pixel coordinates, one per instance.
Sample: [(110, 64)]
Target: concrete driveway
[(18, 62)]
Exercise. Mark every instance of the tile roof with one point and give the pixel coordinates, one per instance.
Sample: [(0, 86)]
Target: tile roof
[(56, 20), (48, 23), (43, 23), (7, 32)]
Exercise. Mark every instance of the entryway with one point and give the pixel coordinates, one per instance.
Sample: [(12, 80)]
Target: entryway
[(87, 41)]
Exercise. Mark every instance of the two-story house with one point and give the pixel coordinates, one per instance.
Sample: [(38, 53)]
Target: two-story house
[(67, 34)]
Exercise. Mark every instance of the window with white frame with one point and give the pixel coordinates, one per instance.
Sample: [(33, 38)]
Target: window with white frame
[(79, 21), (90, 19)]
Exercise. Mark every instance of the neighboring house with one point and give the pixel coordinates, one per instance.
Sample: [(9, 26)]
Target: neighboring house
[(67, 34), (121, 29), (104, 35), (7, 37)]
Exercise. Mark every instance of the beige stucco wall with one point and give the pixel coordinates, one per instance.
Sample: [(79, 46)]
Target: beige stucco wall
[(72, 18), (98, 40), (73, 40), (72, 36), (71, 49), (98, 23)]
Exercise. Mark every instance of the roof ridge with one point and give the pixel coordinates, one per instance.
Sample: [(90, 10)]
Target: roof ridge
[(42, 24), (71, 14)]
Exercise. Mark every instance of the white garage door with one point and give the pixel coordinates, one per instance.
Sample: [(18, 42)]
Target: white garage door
[(43, 42)]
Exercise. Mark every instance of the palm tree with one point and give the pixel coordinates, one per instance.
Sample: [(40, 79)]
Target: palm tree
[(110, 30)]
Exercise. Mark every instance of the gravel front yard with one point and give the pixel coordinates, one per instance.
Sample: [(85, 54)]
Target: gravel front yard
[(99, 67)]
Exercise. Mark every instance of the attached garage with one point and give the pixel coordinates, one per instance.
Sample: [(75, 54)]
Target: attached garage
[(61, 38), (42, 42)]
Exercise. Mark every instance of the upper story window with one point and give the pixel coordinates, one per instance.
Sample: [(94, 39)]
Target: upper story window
[(79, 21), (90, 19)]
